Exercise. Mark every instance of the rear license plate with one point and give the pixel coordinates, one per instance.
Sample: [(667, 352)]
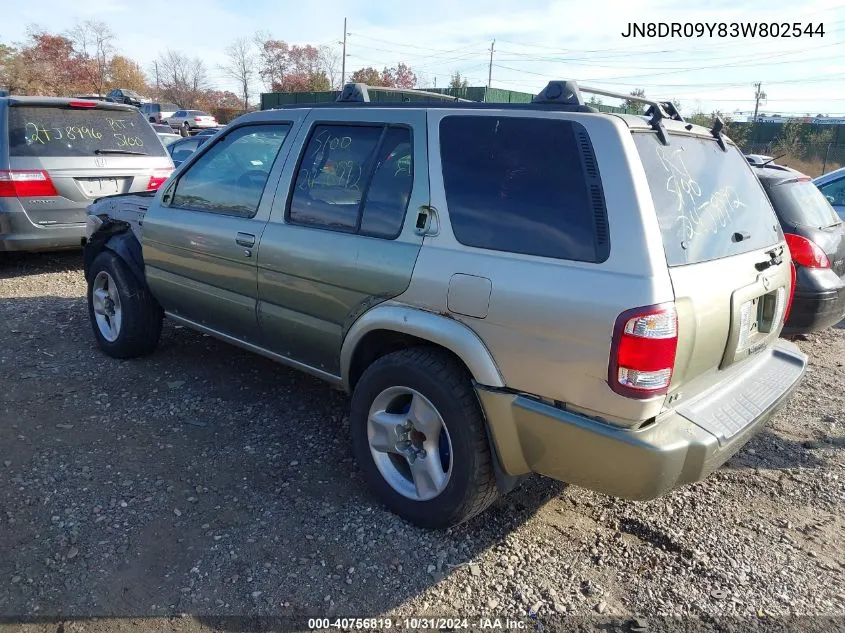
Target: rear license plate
[(95, 187)]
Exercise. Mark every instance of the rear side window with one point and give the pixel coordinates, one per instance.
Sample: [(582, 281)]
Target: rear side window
[(356, 179), (709, 203), (53, 131), (800, 203), (524, 185)]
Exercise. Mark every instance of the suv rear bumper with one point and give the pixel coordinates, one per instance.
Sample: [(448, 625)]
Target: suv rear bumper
[(678, 448), (17, 233)]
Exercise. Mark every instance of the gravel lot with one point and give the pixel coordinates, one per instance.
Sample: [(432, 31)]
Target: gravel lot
[(206, 481)]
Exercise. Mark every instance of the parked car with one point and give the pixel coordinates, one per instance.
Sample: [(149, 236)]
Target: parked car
[(168, 138), (181, 149), (832, 186), (129, 97), (815, 235), (187, 121), (758, 159), (503, 288), (58, 155), (158, 112)]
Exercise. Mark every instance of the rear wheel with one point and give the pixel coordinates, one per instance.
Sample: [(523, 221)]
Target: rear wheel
[(418, 435), (126, 319)]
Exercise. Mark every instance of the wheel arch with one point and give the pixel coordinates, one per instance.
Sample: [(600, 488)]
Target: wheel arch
[(388, 328), (117, 237)]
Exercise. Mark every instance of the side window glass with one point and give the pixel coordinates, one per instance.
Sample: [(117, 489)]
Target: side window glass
[(390, 188), (518, 184), (333, 174), (230, 177), (835, 190)]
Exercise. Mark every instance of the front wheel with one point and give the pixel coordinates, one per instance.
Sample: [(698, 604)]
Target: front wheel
[(125, 317), (419, 436)]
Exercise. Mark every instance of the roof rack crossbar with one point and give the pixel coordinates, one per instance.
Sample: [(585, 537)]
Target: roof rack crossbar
[(360, 93), (668, 107)]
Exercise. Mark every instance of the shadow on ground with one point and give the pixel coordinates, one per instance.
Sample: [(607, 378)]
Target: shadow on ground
[(200, 479), (24, 264)]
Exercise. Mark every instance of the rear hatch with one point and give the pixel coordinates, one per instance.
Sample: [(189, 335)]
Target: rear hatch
[(728, 263), (69, 154)]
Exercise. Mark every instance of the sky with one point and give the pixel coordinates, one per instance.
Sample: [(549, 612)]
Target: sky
[(535, 41)]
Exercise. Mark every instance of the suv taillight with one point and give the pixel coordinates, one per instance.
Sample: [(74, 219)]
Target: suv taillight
[(158, 178), (26, 184), (791, 292), (805, 252), (642, 355)]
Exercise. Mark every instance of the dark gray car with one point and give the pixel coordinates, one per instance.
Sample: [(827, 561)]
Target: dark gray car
[(58, 155)]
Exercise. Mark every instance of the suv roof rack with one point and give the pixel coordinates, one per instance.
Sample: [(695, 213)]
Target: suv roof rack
[(360, 93)]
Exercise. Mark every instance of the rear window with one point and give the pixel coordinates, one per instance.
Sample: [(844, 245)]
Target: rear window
[(800, 203), (709, 203), (52, 131), (523, 185)]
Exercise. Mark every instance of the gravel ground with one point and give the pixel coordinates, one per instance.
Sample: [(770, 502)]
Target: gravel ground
[(208, 482)]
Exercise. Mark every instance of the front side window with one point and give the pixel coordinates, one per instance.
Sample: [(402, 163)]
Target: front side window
[(519, 184), (355, 179), (230, 177)]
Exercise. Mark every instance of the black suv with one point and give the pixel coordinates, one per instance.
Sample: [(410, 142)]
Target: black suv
[(129, 97)]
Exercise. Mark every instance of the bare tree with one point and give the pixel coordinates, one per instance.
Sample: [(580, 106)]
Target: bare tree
[(182, 79), (330, 60), (241, 66), (93, 45)]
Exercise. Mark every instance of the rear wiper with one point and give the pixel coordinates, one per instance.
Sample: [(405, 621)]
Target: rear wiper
[(119, 151)]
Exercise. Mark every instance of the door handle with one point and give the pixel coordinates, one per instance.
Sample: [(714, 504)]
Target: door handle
[(245, 239)]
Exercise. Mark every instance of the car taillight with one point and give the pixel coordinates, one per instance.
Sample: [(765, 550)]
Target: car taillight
[(791, 292), (26, 184), (82, 104), (642, 355), (158, 178), (197, 119), (806, 253)]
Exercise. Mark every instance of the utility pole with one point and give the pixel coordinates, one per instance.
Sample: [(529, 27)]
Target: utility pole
[(758, 94), (490, 68), (155, 64), (343, 63)]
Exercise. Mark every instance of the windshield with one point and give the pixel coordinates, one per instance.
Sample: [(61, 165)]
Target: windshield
[(709, 203), (56, 131), (800, 203)]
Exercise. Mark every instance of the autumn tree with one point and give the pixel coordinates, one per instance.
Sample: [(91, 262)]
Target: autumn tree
[(49, 66), (292, 68), (126, 73), (399, 76), (241, 66), (182, 79), (93, 49)]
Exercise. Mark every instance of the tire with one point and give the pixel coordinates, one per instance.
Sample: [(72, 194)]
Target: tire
[(185, 130), (443, 383), (134, 327)]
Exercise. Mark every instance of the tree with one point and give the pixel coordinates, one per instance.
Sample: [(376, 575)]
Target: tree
[(629, 104), (736, 132), (457, 82), (241, 66), (93, 47), (182, 79), (126, 73), (400, 76), (8, 68), (49, 67), (286, 68)]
